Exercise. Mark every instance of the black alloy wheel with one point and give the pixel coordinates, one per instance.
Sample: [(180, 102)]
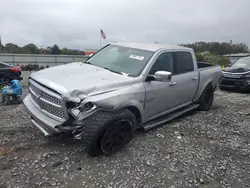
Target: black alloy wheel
[(116, 136)]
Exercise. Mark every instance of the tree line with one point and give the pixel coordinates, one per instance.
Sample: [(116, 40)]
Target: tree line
[(33, 49), (217, 48)]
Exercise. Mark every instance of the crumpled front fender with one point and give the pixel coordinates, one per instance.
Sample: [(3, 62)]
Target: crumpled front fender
[(111, 102)]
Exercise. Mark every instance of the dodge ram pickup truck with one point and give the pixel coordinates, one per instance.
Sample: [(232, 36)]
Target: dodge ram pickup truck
[(121, 88)]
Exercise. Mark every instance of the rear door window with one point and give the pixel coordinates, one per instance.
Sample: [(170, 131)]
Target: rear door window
[(183, 62)]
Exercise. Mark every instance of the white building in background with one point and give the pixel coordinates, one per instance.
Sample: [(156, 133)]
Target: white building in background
[(90, 51)]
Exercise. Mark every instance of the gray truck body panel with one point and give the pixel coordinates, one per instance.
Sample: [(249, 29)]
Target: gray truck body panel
[(81, 83)]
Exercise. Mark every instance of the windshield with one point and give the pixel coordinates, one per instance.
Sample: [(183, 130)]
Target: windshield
[(242, 63), (119, 59)]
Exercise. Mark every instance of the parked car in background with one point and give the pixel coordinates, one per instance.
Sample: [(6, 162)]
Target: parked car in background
[(237, 76), (8, 73), (121, 88)]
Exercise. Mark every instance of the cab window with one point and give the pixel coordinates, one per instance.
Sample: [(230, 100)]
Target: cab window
[(183, 63), (163, 63)]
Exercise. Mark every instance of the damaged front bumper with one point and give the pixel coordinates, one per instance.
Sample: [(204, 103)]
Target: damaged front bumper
[(50, 126), (43, 122)]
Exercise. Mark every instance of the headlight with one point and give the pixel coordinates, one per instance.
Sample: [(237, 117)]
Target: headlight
[(84, 110)]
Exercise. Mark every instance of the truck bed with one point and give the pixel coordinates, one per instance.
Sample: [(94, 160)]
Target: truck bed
[(202, 65), (208, 73)]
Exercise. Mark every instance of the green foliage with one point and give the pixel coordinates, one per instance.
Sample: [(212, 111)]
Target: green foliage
[(223, 61), (1, 49), (200, 57), (218, 48), (212, 59), (55, 50), (33, 49), (65, 51), (11, 48)]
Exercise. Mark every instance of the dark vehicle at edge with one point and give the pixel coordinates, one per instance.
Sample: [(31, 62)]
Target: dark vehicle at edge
[(237, 76), (8, 73)]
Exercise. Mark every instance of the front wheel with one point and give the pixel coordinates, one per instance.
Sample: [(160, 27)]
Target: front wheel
[(108, 132)]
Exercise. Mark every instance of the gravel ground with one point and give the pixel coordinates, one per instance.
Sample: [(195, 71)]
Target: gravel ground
[(202, 149)]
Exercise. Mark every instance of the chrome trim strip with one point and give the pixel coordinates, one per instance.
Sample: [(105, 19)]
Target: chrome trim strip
[(31, 90), (223, 72), (45, 90), (35, 103), (50, 103), (52, 115), (41, 128)]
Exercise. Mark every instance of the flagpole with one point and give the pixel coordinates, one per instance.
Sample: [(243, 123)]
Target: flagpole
[(100, 40)]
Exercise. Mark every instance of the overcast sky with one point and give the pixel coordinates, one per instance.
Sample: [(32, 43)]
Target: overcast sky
[(77, 23)]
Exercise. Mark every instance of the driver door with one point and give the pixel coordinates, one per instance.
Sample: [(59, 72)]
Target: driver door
[(161, 96)]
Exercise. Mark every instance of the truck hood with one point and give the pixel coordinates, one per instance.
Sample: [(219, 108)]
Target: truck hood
[(76, 81)]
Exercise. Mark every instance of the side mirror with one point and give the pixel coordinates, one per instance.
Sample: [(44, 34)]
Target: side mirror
[(163, 76)]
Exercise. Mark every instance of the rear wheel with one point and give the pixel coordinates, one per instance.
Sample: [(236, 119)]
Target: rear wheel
[(108, 132), (206, 99)]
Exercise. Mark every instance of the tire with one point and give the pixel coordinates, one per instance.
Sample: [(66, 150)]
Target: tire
[(16, 99), (222, 88), (206, 99), (1, 97), (3, 82), (100, 126), (6, 99)]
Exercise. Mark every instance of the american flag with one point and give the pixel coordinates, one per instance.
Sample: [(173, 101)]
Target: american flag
[(103, 34)]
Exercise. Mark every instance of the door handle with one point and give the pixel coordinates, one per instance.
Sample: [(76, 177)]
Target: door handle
[(172, 83), (195, 78)]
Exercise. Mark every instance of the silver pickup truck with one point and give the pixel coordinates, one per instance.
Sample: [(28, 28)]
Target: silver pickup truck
[(122, 88)]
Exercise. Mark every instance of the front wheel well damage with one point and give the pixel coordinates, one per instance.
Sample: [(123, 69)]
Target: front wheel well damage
[(137, 114)]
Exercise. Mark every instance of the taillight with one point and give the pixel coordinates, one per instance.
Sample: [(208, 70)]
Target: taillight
[(15, 69)]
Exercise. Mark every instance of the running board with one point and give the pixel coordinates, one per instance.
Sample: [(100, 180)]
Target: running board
[(168, 117)]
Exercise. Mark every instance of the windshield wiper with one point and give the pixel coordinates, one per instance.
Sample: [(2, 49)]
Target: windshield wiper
[(112, 70), (87, 62)]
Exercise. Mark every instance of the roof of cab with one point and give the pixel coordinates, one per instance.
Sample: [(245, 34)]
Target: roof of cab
[(151, 47)]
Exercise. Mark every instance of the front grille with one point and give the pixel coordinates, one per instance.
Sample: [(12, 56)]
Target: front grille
[(34, 98), (36, 91), (232, 82), (47, 101), (53, 110), (234, 76), (50, 98)]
